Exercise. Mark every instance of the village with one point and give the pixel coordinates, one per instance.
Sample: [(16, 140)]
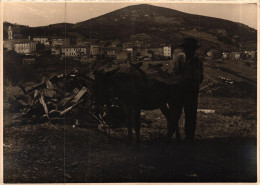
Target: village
[(77, 48)]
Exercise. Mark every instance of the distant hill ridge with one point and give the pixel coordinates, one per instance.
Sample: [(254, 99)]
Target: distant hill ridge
[(158, 22)]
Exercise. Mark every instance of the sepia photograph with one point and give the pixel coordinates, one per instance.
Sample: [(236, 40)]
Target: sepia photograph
[(129, 92)]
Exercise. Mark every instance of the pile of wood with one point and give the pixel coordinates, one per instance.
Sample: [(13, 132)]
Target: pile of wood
[(55, 96)]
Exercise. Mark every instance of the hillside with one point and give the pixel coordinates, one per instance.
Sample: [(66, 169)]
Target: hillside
[(167, 25), (164, 23)]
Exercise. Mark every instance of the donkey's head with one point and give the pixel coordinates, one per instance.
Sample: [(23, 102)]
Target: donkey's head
[(101, 88)]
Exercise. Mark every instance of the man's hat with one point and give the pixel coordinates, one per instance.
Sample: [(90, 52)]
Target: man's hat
[(190, 43)]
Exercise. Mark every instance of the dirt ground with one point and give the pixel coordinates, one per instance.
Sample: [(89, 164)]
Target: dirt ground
[(62, 152), (58, 152)]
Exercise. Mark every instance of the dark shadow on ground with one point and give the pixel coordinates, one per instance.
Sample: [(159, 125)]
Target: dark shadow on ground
[(211, 160), (50, 153)]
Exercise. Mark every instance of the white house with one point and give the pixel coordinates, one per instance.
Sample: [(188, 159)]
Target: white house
[(167, 51), (20, 46), (74, 51), (42, 39), (24, 47)]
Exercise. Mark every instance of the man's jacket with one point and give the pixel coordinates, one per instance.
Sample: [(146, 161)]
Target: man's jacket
[(189, 71)]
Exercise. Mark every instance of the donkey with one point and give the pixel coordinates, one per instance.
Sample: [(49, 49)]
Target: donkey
[(135, 91)]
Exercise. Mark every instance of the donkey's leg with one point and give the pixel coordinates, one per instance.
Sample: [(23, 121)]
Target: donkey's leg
[(171, 122), (137, 112), (129, 131), (170, 127), (166, 112), (174, 116), (178, 135), (128, 121)]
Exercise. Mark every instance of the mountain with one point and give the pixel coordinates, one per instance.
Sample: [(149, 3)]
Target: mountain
[(167, 24), (162, 24), (63, 25)]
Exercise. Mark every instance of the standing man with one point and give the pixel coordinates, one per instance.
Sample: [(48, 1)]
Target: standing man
[(189, 68)]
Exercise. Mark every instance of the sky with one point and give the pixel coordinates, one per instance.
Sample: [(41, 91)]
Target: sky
[(45, 13)]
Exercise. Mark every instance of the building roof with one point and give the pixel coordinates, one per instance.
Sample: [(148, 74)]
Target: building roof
[(113, 49), (155, 47), (41, 36), (73, 46), (18, 40), (56, 47), (58, 37), (122, 52), (94, 45)]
